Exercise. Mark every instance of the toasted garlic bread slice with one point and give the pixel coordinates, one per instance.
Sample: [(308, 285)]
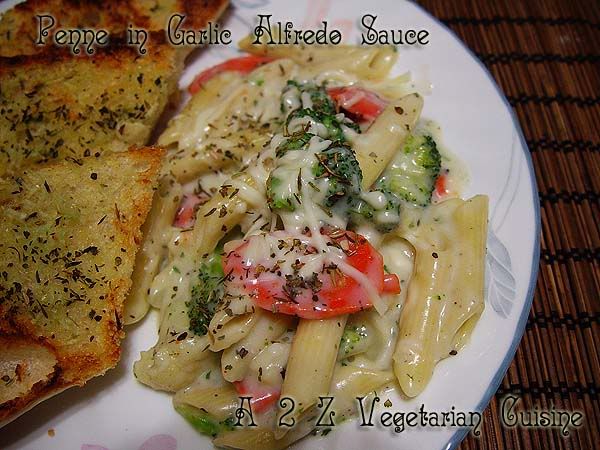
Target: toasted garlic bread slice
[(69, 232), (56, 106), (19, 27)]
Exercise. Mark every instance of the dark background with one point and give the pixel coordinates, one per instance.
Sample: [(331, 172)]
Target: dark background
[(545, 55)]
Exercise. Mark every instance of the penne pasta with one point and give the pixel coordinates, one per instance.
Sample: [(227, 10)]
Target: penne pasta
[(446, 294), (365, 62), (260, 438), (376, 148), (172, 365), (237, 358), (156, 233), (221, 402), (231, 323), (206, 102), (350, 382), (311, 363)]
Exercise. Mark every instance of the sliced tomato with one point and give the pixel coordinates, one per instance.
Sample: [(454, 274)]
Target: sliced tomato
[(186, 214), (358, 103), (243, 64), (256, 267), (263, 395)]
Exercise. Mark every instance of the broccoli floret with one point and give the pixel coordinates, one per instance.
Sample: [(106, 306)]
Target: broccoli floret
[(413, 173), (351, 338), (318, 95), (296, 141), (206, 294), (410, 178), (322, 110), (385, 218), (276, 196), (338, 163), (330, 121), (203, 422)]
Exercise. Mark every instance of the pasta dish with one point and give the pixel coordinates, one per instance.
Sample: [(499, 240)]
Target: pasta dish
[(307, 239)]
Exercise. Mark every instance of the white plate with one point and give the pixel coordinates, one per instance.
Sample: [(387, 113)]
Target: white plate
[(115, 412)]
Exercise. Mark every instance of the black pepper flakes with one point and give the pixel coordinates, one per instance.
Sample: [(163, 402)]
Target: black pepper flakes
[(182, 336)]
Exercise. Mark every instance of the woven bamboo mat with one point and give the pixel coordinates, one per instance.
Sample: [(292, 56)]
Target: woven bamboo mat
[(545, 55)]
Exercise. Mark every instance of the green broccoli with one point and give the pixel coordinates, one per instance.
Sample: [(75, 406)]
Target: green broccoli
[(318, 95), (385, 219), (203, 422), (338, 163), (414, 171), (351, 337), (277, 194), (329, 120), (322, 110), (296, 141), (206, 294)]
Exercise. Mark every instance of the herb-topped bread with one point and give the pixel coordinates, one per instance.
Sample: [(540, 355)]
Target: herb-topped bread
[(69, 232), (55, 106)]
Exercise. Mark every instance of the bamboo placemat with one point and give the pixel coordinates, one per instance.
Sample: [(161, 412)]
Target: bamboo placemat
[(545, 55)]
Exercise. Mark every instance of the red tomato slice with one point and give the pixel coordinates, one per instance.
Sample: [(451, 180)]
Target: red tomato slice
[(186, 214), (263, 395), (243, 64), (360, 104), (318, 295)]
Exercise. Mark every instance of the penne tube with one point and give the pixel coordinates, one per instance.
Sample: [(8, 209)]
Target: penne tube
[(365, 62), (231, 331), (247, 438), (349, 382), (172, 365), (223, 212), (376, 148), (221, 402), (209, 101), (236, 359), (310, 365), (445, 297), (156, 231)]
